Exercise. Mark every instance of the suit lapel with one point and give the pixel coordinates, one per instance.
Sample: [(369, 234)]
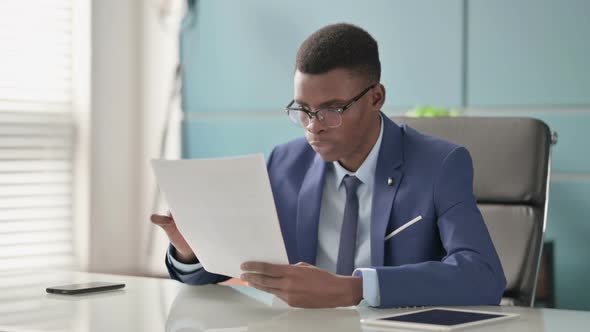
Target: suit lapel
[(308, 210), (388, 166)]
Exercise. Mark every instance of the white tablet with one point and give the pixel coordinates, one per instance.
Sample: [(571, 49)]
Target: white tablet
[(438, 319)]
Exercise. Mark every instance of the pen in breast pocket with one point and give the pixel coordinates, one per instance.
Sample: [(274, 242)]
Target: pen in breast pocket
[(402, 227)]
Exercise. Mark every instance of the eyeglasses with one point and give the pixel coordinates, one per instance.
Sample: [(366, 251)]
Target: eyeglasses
[(331, 117)]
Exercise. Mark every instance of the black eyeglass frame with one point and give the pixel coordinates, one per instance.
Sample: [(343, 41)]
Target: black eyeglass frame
[(339, 110)]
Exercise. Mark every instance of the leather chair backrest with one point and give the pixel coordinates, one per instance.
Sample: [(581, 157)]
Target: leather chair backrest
[(511, 158)]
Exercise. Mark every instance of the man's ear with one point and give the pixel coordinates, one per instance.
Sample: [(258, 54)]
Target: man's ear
[(378, 96)]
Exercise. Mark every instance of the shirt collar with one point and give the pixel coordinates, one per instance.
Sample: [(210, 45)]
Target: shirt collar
[(366, 172)]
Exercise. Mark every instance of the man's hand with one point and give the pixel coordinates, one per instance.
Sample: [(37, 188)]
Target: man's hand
[(184, 253), (303, 285)]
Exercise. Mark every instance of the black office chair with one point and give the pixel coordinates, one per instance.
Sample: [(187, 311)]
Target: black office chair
[(511, 158)]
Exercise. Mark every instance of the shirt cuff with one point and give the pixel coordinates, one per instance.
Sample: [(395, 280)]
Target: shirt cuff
[(182, 267), (371, 293)]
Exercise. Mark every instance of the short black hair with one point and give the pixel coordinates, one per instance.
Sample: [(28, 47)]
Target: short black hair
[(340, 45)]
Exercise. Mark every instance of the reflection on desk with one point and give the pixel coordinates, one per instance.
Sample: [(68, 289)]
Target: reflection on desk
[(223, 307)]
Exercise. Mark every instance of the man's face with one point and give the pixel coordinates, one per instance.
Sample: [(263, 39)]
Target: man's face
[(336, 88)]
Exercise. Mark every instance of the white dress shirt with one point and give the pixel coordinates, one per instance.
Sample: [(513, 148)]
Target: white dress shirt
[(330, 223), (331, 217)]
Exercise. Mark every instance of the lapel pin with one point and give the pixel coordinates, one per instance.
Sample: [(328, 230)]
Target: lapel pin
[(390, 182)]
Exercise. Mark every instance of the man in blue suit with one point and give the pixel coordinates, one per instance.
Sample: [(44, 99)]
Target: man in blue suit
[(369, 210)]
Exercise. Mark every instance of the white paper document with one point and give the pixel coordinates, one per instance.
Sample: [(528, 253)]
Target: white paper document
[(225, 210)]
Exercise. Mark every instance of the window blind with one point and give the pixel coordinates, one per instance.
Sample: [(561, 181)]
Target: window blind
[(36, 135)]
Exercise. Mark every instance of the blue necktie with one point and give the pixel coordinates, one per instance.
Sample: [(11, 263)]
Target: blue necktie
[(347, 247)]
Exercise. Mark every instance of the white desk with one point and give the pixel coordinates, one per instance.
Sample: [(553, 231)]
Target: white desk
[(149, 304)]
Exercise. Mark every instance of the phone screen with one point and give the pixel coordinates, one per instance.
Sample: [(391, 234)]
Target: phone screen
[(442, 317)]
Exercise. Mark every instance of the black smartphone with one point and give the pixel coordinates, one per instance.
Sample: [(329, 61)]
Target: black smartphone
[(89, 287)]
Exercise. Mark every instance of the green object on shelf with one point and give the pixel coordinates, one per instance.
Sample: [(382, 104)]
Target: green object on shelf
[(431, 112)]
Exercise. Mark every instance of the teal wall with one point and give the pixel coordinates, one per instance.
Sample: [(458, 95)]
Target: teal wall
[(528, 53), (501, 57)]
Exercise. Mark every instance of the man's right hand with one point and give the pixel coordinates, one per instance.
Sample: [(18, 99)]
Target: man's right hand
[(184, 253)]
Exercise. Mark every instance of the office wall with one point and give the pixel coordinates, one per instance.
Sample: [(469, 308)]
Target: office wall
[(238, 59), (499, 58)]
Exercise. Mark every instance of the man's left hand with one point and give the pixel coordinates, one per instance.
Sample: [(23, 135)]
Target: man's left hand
[(303, 285)]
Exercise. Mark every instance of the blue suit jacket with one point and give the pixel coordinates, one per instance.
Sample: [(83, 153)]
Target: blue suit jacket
[(447, 258)]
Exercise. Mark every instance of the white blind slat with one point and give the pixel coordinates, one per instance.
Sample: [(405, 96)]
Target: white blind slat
[(14, 226), (36, 154), (33, 237), (27, 141), (43, 249), (35, 177), (40, 118), (36, 165), (53, 95), (13, 106), (39, 201), (39, 213), (36, 189), (44, 118)]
